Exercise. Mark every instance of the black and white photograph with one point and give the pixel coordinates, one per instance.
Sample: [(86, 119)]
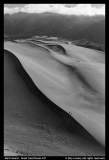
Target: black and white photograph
[(54, 80)]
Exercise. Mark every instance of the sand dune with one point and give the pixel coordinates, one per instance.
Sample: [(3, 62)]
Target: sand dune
[(74, 85)]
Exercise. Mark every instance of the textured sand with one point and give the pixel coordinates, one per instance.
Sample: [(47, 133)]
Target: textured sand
[(8, 151), (65, 82)]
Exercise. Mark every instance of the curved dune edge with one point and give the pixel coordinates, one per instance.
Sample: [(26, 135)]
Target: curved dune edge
[(75, 115), (76, 127), (71, 123)]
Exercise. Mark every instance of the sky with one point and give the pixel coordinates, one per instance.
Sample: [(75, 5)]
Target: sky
[(68, 9)]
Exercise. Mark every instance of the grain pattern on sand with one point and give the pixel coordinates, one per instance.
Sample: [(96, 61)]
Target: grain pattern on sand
[(30, 126)]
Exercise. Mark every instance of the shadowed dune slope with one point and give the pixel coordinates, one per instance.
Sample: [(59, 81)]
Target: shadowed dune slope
[(32, 126)]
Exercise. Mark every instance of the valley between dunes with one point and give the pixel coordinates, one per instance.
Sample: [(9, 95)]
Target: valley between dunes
[(54, 99)]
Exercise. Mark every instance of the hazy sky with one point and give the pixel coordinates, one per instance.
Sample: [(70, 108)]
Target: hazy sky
[(22, 5), (77, 9), (14, 5)]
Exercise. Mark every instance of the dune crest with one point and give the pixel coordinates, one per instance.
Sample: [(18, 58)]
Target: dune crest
[(73, 82)]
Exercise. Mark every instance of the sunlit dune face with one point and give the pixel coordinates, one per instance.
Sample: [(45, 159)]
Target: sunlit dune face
[(72, 85), (54, 98)]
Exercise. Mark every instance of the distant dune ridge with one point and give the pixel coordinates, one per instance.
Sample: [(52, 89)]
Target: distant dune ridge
[(66, 97)]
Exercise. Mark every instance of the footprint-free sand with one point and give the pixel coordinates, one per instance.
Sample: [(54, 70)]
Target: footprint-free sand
[(54, 102)]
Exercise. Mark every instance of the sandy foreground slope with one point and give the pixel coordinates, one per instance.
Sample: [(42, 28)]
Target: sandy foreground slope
[(74, 82)]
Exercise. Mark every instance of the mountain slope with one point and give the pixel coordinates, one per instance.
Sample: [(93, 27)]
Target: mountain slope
[(51, 24), (94, 33)]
